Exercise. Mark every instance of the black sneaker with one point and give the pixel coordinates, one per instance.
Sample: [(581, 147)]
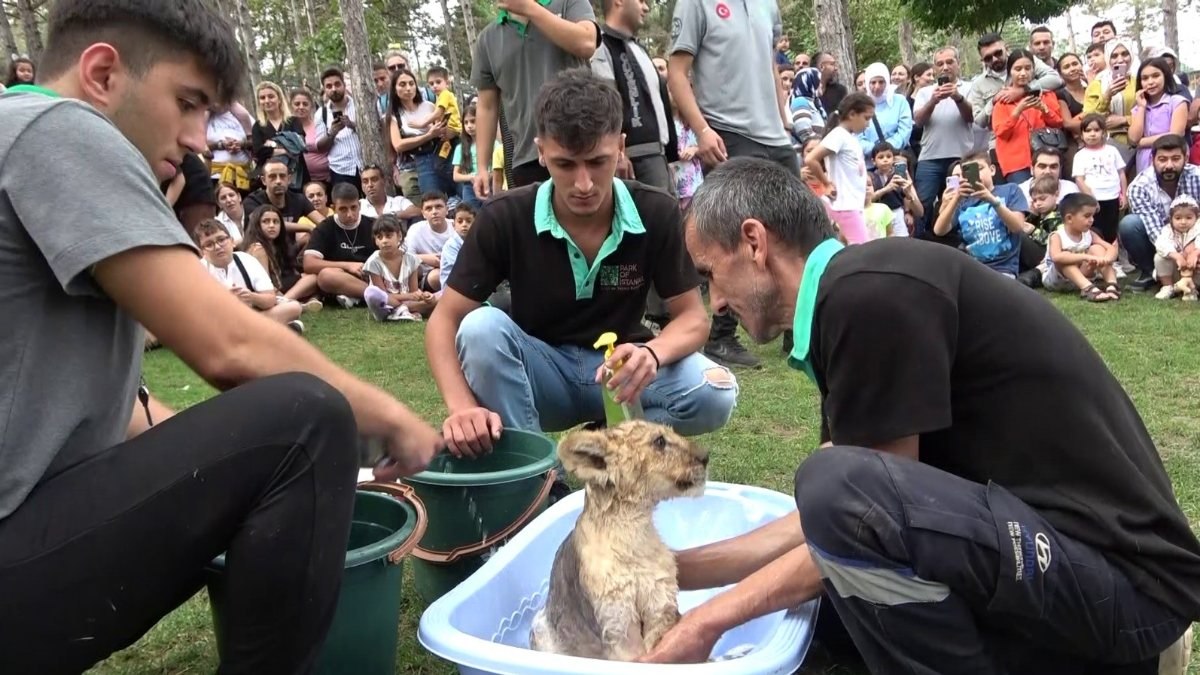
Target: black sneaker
[(1144, 283), (730, 353), (1031, 278)]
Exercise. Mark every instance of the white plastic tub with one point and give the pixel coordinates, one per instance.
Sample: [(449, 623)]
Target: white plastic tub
[(483, 625)]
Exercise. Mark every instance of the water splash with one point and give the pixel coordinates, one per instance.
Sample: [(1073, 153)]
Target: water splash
[(475, 515)]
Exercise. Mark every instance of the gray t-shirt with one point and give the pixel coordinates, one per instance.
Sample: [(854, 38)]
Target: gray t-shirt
[(72, 358), (946, 135), (732, 43), (519, 65)]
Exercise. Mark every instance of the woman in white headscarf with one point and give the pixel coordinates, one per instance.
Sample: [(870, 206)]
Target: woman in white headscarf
[(1113, 92), (893, 120)]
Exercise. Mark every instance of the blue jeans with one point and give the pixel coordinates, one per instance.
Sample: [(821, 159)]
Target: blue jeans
[(466, 192), (1136, 243), (1019, 176), (930, 180), (432, 174), (535, 386)]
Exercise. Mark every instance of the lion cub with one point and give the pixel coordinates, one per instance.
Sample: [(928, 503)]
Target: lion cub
[(613, 585)]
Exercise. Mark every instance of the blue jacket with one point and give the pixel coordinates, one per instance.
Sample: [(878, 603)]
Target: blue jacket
[(895, 118)]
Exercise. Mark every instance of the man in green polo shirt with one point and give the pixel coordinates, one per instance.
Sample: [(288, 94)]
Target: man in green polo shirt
[(973, 512), (580, 252)]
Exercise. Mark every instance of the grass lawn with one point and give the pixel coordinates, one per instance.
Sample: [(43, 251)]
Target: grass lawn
[(1150, 346)]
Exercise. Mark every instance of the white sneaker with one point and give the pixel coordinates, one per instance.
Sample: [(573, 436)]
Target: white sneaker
[(402, 313), (313, 306), (1190, 297), (347, 302), (297, 326), (1165, 293)]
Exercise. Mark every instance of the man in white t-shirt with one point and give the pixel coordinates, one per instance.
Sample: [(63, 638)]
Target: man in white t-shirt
[(943, 112), (377, 202), (244, 276), (1048, 162), (427, 238)]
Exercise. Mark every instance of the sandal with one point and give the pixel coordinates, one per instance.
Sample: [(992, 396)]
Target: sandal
[(1113, 290), (1093, 294)]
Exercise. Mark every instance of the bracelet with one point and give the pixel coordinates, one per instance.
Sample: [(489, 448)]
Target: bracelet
[(657, 363)]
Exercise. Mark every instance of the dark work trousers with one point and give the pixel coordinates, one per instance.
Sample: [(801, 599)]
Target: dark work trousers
[(102, 550), (934, 574), (527, 174), (335, 178), (724, 325), (653, 170)]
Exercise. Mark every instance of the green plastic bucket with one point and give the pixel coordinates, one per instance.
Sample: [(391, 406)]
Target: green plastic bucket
[(388, 522), (477, 505)]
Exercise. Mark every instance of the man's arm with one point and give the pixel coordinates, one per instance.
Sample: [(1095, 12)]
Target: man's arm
[(578, 37), (1045, 78), (487, 120), (924, 109), (678, 68), (314, 262), (981, 114)]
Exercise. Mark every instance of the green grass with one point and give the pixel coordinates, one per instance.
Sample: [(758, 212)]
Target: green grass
[(1150, 346)]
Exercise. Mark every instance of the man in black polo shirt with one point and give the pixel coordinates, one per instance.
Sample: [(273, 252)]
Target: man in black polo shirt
[(339, 247), (580, 252), (991, 502), (277, 190)]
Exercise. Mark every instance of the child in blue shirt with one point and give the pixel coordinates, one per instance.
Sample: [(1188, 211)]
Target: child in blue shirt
[(990, 218)]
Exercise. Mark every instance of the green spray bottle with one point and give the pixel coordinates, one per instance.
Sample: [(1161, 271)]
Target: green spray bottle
[(614, 412)]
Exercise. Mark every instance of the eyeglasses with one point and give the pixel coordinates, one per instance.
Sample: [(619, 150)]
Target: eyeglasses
[(216, 243), (398, 66), (998, 54)]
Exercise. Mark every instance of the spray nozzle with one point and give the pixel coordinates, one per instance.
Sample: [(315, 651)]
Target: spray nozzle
[(609, 342)]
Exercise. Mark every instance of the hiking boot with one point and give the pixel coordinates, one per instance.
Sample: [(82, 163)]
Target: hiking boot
[(1143, 284), (730, 352)]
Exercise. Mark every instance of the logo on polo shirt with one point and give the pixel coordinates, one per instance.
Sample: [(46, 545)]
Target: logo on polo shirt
[(676, 27), (627, 277), (723, 10)]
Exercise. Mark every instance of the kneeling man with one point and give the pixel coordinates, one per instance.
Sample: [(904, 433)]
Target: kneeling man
[(580, 253)]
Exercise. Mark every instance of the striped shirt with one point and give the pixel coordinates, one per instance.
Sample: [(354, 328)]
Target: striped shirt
[(345, 157), (1148, 200)]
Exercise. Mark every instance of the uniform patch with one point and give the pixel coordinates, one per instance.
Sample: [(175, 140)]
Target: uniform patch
[(1042, 544), (723, 10), (676, 27)]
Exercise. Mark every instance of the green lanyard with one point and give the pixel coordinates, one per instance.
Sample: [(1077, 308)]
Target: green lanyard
[(32, 89), (504, 17)]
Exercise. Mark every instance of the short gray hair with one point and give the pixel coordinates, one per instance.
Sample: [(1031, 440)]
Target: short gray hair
[(948, 48), (748, 187)]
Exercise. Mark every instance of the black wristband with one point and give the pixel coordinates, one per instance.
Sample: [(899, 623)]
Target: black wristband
[(657, 363)]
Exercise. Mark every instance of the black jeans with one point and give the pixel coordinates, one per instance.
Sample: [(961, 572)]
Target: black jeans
[(724, 325), (355, 180), (934, 574), (100, 551), (527, 174)]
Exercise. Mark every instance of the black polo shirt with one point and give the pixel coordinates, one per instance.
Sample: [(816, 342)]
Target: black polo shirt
[(295, 204), (558, 296), (906, 337)]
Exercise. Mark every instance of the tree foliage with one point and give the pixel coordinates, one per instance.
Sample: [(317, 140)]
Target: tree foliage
[(982, 16)]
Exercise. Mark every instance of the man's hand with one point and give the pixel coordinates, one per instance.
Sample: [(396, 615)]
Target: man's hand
[(1011, 94), (1121, 201), (244, 295), (712, 148), (690, 641), (409, 451), (354, 268), (944, 91), (482, 183), (624, 168), (637, 370), (471, 432), (337, 126)]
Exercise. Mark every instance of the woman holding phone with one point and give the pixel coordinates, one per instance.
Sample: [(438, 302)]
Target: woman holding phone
[(1113, 93), (1015, 124)]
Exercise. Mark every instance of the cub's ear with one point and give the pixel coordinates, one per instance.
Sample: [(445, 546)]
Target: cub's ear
[(584, 454)]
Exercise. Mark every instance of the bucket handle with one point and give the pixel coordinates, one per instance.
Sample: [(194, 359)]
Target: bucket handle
[(409, 495), (448, 557)]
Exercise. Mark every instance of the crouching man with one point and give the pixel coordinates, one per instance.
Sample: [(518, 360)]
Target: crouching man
[(580, 252)]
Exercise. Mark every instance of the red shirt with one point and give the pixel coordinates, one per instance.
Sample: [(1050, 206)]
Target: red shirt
[(1014, 134)]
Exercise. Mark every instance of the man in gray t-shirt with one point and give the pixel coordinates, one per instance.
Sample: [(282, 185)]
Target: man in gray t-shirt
[(514, 56), (734, 103), (111, 505)]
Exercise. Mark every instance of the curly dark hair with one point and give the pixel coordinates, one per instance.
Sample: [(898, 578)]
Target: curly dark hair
[(577, 109)]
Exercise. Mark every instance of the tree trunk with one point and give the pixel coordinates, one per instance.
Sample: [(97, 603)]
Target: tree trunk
[(1170, 9), (451, 52), (907, 53), (833, 36), (29, 26), (246, 28), (468, 12), (6, 34), (1071, 44), (358, 72), (300, 52)]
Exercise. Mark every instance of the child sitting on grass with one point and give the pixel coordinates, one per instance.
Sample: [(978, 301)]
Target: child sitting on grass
[(1177, 250), (464, 218), (1075, 255), (893, 190), (1043, 217), (392, 294), (244, 276), (989, 217)]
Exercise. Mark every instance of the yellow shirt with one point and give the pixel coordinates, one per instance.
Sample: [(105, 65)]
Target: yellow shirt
[(1096, 101), (449, 104), (498, 162)]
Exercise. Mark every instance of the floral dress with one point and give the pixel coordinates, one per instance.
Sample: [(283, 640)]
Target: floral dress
[(688, 175)]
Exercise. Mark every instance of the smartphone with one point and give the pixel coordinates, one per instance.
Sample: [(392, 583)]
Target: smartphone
[(902, 170), (953, 182), (971, 174), (337, 115), (943, 79), (1119, 70)]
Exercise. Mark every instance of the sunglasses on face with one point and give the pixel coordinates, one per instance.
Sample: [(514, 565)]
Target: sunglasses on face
[(998, 54), (399, 66)]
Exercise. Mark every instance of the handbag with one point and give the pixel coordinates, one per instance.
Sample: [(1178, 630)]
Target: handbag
[(1041, 139)]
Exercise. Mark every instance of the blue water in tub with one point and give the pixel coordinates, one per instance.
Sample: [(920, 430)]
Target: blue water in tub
[(483, 624)]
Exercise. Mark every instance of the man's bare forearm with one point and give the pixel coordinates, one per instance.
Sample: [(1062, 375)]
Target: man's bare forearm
[(685, 98), (784, 583), (440, 334), (732, 560)]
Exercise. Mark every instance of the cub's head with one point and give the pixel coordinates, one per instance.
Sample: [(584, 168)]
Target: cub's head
[(636, 459)]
